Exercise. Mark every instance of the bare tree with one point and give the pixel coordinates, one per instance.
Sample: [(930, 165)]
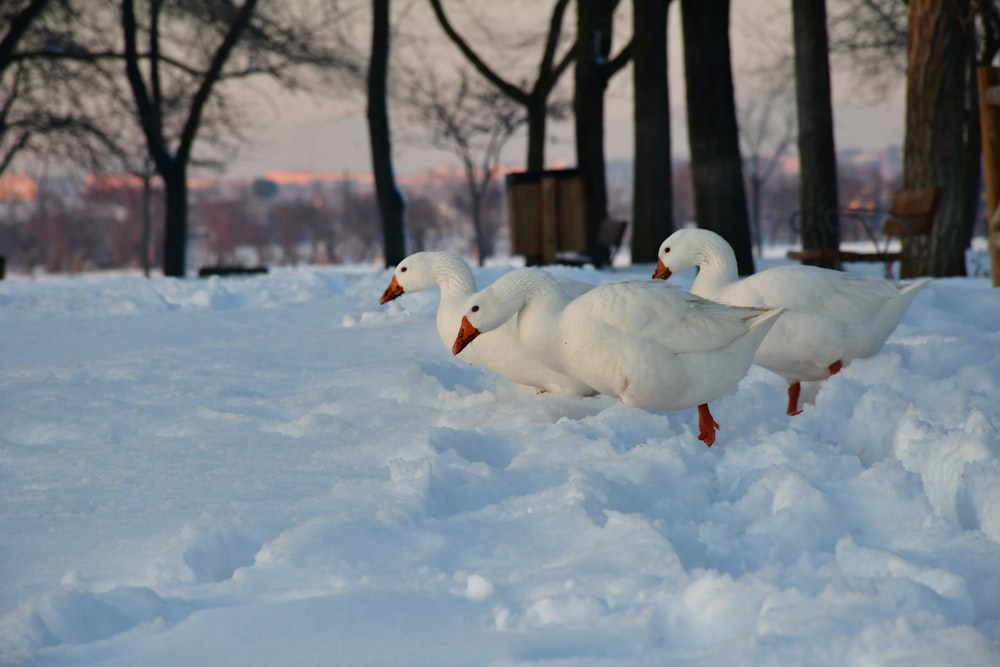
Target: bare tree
[(152, 99), (53, 95), (767, 131), (535, 99), (176, 88), (80, 63), (359, 233), (870, 36), (473, 121), (14, 136), (423, 220)]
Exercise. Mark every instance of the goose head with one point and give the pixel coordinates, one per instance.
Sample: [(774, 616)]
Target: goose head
[(483, 314), (489, 308), (413, 274), (678, 252)]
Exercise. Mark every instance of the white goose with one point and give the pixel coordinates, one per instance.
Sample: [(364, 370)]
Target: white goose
[(501, 351), (833, 317), (657, 348)]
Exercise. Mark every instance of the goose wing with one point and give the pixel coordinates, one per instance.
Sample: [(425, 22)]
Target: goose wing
[(663, 314), (841, 296)]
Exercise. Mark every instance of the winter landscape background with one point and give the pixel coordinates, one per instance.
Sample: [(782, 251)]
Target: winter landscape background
[(276, 470)]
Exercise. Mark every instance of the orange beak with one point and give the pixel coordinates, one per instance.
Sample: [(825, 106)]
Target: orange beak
[(391, 292), (662, 272), (466, 334)]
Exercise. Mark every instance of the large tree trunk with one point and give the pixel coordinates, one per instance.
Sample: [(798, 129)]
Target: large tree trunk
[(652, 200), (817, 155), (940, 37), (594, 68), (593, 45), (720, 199), (391, 204)]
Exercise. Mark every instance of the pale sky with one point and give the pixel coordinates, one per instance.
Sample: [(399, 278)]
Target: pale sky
[(304, 133)]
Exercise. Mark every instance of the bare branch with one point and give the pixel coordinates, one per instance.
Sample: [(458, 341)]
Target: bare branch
[(17, 27), (219, 59), (548, 56), (619, 61), (485, 70)]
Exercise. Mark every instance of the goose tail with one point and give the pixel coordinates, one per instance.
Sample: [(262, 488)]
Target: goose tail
[(767, 318), (911, 289)]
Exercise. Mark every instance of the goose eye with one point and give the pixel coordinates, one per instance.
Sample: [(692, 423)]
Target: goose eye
[(666, 250), (475, 309), (402, 269)]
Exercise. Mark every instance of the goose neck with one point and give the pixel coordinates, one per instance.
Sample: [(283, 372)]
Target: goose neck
[(527, 287), (716, 268), (454, 276)]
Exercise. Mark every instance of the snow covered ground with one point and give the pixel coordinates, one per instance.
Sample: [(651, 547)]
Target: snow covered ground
[(275, 470)]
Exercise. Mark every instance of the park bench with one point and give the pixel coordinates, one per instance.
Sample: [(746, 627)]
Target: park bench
[(911, 215), (226, 270)]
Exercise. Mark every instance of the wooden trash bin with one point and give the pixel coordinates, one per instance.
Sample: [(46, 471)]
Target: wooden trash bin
[(545, 210)]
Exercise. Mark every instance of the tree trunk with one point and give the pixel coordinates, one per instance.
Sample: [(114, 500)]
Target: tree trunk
[(940, 36), (720, 199), (588, 110), (953, 263), (391, 204), (147, 220), (756, 190), (817, 155), (594, 68), (537, 116), (483, 245), (988, 76), (652, 200), (175, 233)]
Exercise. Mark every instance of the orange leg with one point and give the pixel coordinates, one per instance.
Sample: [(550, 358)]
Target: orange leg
[(706, 425), (794, 389)]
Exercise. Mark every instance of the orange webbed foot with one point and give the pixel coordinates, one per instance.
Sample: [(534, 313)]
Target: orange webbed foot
[(706, 425)]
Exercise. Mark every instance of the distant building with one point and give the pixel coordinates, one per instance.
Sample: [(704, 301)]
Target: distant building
[(18, 188)]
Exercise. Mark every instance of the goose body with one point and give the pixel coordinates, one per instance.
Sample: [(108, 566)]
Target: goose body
[(501, 351), (655, 348), (833, 317)]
